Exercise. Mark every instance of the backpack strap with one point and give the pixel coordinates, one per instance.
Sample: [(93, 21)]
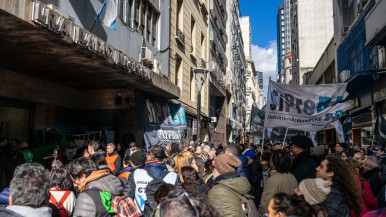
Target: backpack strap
[(64, 198), (163, 174)]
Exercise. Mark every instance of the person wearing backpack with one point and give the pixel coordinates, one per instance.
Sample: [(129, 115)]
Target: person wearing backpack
[(229, 187), (97, 188), (144, 181), (60, 194)]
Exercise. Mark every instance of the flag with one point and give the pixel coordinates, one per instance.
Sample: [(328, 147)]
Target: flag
[(381, 128), (305, 107), (339, 131), (108, 13), (256, 119)]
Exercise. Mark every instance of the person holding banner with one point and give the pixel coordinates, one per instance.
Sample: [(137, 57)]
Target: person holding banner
[(303, 166)]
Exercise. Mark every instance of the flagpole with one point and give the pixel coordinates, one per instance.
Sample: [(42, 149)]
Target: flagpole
[(262, 144), (265, 117), (285, 136)]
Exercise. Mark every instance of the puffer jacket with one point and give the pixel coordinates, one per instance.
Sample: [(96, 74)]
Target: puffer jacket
[(222, 199), (277, 182), (102, 179)]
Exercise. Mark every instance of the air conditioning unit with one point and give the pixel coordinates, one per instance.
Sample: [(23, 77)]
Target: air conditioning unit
[(213, 119), (212, 66), (344, 30), (146, 55), (180, 36)]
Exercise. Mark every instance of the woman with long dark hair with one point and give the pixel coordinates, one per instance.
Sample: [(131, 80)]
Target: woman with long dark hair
[(191, 181)]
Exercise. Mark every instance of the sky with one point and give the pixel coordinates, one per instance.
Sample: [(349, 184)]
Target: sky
[(262, 15)]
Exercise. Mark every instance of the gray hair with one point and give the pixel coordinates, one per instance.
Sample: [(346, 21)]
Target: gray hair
[(30, 185), (371, 161), (112, 145), (206, 147)]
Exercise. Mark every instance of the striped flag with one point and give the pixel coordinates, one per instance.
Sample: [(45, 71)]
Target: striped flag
[(108, 13)]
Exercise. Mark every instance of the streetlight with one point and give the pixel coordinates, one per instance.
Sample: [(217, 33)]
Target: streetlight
[(199, 84)]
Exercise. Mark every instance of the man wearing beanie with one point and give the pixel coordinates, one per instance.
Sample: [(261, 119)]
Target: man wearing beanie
[(221, 196), (315, 192)]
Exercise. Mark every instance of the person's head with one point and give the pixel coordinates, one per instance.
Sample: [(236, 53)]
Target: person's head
[(345, 155), (126, 161), (198, 164), (212, 153), (282, 205), (137, 159), (30, 186), (370, 163), (157, 153), (162, 192), (199, 149), (56, 164), (206, 149), (189, 177), (79, 169), (233, 149), (92, 148), (379, 150), (276, 146), (85, 153), (334, 169), (281, 161), (356, 147), (59, 178), (99, 161), (300, 144), (174, 148), (179, 203), (339, 147), (110, 148), (180, 161), (209, 167), (360, 157), (314, 191), (133, 147), (226, 163)]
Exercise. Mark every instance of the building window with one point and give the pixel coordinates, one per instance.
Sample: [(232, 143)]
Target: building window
[(192, 85), (193, 33), (180, 15), (203, 50), (178, 71), (125, 12)]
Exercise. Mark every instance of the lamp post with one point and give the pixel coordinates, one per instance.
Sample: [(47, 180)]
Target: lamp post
[(199, 84)]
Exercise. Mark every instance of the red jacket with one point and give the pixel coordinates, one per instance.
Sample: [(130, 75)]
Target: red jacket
[(368, 200)]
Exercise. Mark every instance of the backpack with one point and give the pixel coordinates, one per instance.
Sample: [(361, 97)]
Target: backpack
[(59, 204), (247, 203), (151, 188), (118, 206)]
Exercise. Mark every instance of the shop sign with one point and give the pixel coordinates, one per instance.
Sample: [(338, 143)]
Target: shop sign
[(72, 33)]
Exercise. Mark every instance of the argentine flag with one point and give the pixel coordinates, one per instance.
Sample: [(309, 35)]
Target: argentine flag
[(108, 13)]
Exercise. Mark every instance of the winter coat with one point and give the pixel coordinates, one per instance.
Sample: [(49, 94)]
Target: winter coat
[(303, 167), (335, 205), (277, 182), (368, 200), (372, 177), (25, 211), (376, 213), (382, 194), (222, 199), (102, 179)]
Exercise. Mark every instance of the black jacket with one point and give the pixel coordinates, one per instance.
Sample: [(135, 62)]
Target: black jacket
[(372, 177), (303, 167), (335, 205)]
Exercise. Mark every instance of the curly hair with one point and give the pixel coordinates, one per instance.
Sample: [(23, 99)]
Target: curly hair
[(60, 178), (291, 205), (344, 180), (190, 176)]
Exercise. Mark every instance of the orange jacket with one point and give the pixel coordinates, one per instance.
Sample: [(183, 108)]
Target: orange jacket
[(110, 160)]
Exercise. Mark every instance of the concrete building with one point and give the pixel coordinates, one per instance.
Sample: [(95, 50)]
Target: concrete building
[(60, 76), (286, 75), (359, 35), (236, 72), (219, 96), (312, 29), (252, 79), (287, 25), (189, 28), (261, 98), (281, 48)]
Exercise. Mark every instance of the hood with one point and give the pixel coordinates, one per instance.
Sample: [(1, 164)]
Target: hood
[(107, 182), (156, 167), (95, 175), (235, 182), (30, 211)]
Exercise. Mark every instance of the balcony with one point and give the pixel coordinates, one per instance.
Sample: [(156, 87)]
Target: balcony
[(376, 25), (180, 37)]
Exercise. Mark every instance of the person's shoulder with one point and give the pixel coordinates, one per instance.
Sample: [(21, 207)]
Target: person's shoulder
[(4, 212)]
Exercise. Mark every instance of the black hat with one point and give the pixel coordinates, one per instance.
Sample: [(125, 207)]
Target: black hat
[(138, 158), (302, 142)]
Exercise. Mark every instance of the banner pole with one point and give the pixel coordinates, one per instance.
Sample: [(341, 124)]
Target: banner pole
[(262, 144), (265, 117), (285, 136)]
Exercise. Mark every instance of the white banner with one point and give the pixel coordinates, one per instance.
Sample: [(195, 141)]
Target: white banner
[(305, 107), (339, 131)]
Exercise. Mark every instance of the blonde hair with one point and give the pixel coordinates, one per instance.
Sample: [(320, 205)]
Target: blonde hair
[(180, 161), (187, 154)]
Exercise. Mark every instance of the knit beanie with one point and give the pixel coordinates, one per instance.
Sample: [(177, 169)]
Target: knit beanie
[(138, 158), (315, 190), (226, 163)]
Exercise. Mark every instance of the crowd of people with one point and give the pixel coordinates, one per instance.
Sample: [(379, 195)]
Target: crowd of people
[(190, 180)]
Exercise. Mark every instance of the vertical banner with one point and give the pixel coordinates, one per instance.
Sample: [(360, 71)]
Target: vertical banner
[(256, 121), (347, 129), (162, 122), (339, 131)]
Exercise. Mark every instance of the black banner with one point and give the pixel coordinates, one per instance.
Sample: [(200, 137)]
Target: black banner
[(347, 129), (162, 122)]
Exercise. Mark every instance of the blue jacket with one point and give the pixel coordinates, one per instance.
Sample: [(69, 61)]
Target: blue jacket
[(4, 196)]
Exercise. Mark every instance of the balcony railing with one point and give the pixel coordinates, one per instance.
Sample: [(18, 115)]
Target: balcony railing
[(180, 37)]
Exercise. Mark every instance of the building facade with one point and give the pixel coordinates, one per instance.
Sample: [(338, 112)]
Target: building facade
[(312, 29), (189, 28), (236, 72), (281, 37), (76, 76)]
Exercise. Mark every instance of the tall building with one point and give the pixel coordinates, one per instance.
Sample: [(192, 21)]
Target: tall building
[(189, 28), (281, 36), (312, 26), (236, 72), (217, 64), (252, 79), (287, 25)]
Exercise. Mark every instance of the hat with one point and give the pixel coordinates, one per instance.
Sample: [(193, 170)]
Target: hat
[(132, 144), (250, 153), (138, 158), (379, 147), (226, 163), (315, 190), (302, 142)]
